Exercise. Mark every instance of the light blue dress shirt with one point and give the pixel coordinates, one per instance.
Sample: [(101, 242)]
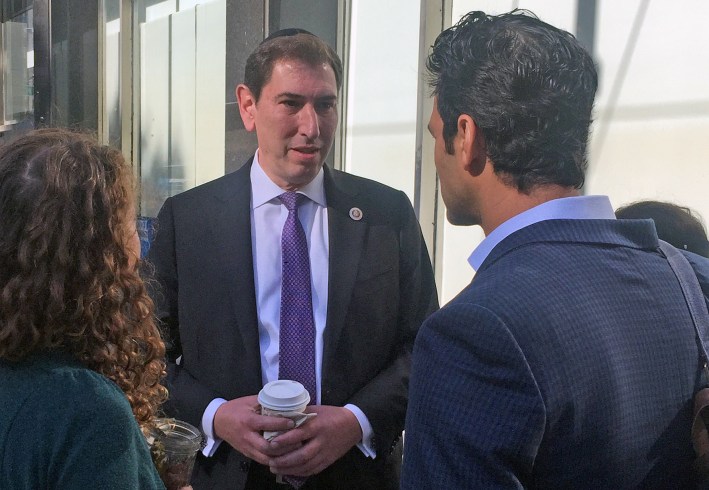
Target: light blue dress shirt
[(578, 207), (268, 215)]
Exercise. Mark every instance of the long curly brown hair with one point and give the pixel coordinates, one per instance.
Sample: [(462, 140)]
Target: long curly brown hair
[(68, 279)]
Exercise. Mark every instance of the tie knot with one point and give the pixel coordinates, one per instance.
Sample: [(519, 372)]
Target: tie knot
[(291, 200)]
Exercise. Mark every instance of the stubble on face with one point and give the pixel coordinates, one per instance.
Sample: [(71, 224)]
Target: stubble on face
[(449, 173)]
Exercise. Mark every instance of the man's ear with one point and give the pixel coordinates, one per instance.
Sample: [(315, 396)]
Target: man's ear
[(471, 145), (247, 106)]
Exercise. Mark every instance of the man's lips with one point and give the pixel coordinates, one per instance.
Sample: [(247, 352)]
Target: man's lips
[(306, 149)]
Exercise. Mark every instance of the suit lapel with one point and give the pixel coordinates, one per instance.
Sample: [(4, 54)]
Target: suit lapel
[(232, 231), (345, 236)]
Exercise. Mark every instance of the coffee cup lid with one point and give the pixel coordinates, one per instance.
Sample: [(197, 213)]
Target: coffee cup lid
[(283, 394)]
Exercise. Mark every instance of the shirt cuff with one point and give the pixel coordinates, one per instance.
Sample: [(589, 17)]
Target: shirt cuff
[(208, 427), (365, 445)]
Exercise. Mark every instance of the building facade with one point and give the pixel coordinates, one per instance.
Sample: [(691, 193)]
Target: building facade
[(156, 79)]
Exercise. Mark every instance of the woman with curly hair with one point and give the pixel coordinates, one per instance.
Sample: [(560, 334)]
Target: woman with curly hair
[(80, 355)]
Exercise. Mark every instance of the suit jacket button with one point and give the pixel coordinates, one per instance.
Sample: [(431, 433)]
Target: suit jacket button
[(245, 465)]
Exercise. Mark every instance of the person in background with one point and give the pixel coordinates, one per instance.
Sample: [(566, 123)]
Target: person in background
[(80, 355), (365, 286), (678, 225), (570, 361)]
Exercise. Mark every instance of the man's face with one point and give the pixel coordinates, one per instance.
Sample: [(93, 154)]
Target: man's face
[(452, 175), (295, 120)]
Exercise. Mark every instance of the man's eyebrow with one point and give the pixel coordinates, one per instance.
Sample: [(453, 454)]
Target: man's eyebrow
[(291, 95)]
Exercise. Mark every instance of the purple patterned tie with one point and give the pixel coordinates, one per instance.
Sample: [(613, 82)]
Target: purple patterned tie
[(297, 334)]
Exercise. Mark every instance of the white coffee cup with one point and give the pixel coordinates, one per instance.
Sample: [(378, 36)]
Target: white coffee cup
[(284, 395), (284, 398)]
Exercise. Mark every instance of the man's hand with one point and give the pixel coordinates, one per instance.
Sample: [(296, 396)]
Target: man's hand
[(240, 423), (325, 439)]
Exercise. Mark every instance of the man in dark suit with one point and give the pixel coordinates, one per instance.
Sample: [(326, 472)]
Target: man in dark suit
[(217, 256), (570, 361)]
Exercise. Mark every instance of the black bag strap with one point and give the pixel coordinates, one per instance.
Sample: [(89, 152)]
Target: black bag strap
[(693, 295)]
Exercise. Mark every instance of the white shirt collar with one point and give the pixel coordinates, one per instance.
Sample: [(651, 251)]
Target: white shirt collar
[(577, 207), (263, 189)]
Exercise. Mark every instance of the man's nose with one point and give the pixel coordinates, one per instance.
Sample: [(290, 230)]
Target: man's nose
[(309, 124)]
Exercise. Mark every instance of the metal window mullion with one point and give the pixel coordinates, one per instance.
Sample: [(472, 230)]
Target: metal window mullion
[(436, 15), (42, 40), (342, 48), (128, 72)]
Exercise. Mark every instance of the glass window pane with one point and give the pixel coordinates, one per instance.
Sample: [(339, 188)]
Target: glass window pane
[(180, 96), (18, 69), (74, 64)]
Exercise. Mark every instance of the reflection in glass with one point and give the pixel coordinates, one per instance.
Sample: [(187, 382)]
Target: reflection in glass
[(17, 61), (74, 64), (182, 51)]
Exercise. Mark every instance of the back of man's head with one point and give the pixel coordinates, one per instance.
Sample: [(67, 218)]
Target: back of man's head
[(288, 44), (528, 86), (679, 225)]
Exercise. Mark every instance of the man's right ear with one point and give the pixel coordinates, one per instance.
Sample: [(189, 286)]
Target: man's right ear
[(472, 149), (247, 106)]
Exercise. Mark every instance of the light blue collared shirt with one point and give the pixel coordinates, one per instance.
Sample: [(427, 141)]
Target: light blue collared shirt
[(577, 207), (268, 215)]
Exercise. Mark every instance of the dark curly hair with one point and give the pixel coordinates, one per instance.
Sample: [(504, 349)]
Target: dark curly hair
[(67, 278), (304, 47), (679, 225), (528, 86)]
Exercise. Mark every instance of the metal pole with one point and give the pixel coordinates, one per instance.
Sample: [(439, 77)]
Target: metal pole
[(586, 23), (42, 62)]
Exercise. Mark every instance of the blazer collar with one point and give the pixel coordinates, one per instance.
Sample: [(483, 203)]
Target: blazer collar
[(629, 233)]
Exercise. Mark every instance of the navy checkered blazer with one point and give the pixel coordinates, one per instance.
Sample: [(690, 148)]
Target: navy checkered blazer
[(570, 361)]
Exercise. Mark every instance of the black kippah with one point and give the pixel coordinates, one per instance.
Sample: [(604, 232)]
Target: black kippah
[(291, 31)]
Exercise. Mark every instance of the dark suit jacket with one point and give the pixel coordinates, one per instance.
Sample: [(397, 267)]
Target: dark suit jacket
[(381, 288), (570, 361)]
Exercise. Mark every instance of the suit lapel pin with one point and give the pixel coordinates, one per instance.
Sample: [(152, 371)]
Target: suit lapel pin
[(356, 214)]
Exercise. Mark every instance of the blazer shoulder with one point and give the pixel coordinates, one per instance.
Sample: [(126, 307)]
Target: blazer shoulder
[(355, 184), (379, 203), (345, 189), (223, 188)]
